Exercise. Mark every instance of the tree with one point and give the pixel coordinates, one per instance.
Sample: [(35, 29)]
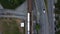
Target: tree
[(37, 27), (11, 4), (58, 4)]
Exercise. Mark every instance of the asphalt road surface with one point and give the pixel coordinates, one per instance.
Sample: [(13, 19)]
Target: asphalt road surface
[(51, 16), (43, 18), (20, 12)]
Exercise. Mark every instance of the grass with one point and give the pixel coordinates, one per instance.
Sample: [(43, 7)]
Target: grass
[(11, 4), (10, 26)]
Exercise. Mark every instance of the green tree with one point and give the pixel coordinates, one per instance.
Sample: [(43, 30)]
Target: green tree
[(58, 4), (11, 4), (37, 27)]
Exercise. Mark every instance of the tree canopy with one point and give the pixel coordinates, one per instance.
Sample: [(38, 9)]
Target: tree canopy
[(37, 27), (11, 4)]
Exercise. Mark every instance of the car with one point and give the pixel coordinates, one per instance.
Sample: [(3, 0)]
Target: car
[(43, 10)]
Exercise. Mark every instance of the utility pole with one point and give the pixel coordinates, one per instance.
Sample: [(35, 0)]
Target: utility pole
[(31, 16)]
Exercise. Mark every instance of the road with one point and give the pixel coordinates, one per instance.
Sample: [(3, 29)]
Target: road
[(51, 16), (43, 18), (20, 12), (46, 18)]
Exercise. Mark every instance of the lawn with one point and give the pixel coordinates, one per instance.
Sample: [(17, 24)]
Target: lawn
[(11, 4), (10, 26)]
